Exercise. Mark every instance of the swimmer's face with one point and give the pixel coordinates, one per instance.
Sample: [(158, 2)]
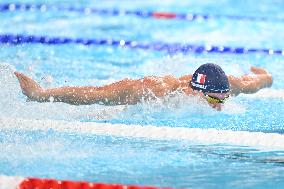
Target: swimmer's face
[(216, 100)]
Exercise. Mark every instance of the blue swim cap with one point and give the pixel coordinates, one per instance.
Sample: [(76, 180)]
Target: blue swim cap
[(210, 78)]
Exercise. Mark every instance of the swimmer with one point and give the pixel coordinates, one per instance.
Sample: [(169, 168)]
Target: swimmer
[(209, 82)]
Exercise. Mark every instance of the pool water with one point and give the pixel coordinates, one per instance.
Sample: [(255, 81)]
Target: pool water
[(169, 142)]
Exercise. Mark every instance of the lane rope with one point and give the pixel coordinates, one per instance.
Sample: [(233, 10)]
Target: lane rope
[(12, 7), (15, 182), (37, 183), (171, 48)]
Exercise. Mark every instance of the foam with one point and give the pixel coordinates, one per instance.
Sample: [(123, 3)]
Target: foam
[(207, 136)]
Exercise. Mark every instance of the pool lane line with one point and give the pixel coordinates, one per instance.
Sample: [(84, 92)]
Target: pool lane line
[(259, 139), (12, 7), (170, 48)]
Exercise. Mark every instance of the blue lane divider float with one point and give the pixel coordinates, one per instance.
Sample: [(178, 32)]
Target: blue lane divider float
[(115, 12), (171, 48)]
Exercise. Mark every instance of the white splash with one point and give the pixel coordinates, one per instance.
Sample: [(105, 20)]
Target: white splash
[(9, 85)]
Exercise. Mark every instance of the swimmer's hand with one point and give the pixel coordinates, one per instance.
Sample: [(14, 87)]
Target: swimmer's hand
[(250, 83), (30, 88), (264, 75), (257, 70)]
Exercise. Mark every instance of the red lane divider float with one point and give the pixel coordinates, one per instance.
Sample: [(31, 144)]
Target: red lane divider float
[(164, 15), (37, 183)]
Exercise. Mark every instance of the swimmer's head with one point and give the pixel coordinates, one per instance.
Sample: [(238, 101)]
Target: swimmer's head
[(213, 83), (210, 78)]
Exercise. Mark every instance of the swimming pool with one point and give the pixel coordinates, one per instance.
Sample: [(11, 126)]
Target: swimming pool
[(172, 142)]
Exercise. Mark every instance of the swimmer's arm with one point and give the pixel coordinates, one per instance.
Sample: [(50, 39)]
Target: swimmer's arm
[(250, 83), (71, 95)]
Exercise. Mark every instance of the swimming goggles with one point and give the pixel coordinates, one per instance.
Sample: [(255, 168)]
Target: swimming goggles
[(214, 100)]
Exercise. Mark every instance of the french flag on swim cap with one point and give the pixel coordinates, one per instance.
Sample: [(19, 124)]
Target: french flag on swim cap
[(210, 78), (201, 78)]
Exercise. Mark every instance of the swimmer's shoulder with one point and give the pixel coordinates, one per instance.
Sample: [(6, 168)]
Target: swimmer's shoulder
[(160, 78), (185, 78), (184, 84)]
